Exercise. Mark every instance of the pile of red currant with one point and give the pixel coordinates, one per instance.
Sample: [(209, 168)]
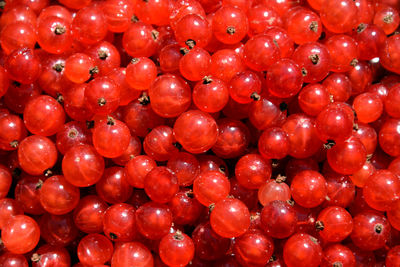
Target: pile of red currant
[(201, 133)]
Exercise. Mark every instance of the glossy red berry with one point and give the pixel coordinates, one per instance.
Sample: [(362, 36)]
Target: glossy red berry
[(119, 222), (211, 187), (260, 52), (161, 184), (153, 220), (132, 254), (278, 219), (230, 218), (302, 248), (339, 16), (176, 249), (308, 188), (334, 224)]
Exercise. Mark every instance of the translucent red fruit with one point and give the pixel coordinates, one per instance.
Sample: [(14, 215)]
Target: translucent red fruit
[(43, 115), (314, 61), (229, 24), (23, 65), (387, 18), (186, 209), (36, 154), (196, 131), (145, 11), (119, 222), (193, 30), (233, 138), (381, 190), (334, 123), (343, 52), (393, 97), (12, 132), (141, 73), (338, 254), (89, 25), (335, 224), (118, 14), (8, 209), (303, 26), (253, 249), (5, 181), (347, 157), (169, 95), (9, 259), (370, 39), (140, 40), (211, 187), (153, 220), (48, 255), (21, 234), (54, 34), (17, 35), (137, 169), (132, 254), (302, 248), (278, 219), (371, 230), (313, 98), (389, 56), (82, 166), (252, 170), (245, 87), (176, 249), (339, 16), (368, 107), (308, 188), (57, 196), (262, 17), (113, 132), (160, 143), (72, 133), (161, 184), (260, 52), (102, 95), (393, 256), (88, 214), (195, 64), (230, 218), (225, 63), (210, 95), (302, 135), (113, 187)]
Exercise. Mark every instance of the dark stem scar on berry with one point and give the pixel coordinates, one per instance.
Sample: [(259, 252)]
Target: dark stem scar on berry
[(331, 98), (304, 72), (222, 169), (322, 37), (60, 98), (178, 235), (48, 173), (144, 99), (275, 43), (113, 236), (14, 144), (58, 67), (94, 70), (280, 178), (230, 30), (72, 133), (102, 54), (254, 216), (135, 60), (190, 194), (354, 62), (101, 102), (327, 198), (184, 50), (378, 228), (314, 26), (337, 264), (16, 84), (207, 80), (273, 258), (361, 27), (39, 184), (35, 257), (190, 43), (255, 96), (314, 240), (110, 121), (388, 18), (59, 29), (355, 126), (369, 157), (2, 4), (134, 19), (329, 144), (319, 225), (155, 34), (290, 202), (211, 207), (314, 58)]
